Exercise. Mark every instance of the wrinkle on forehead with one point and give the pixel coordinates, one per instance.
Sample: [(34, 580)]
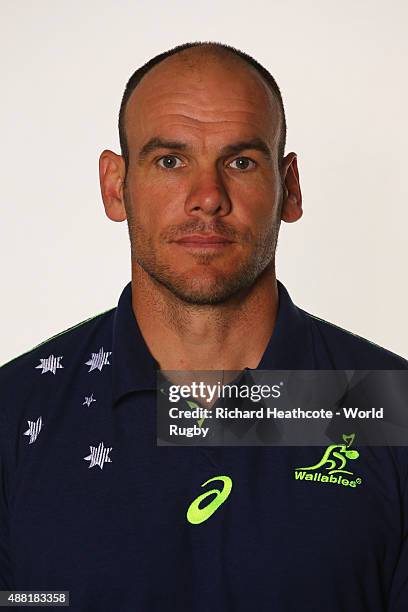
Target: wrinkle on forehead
[(202, 94)]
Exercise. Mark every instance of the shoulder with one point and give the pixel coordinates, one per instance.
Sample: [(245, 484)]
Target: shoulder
[(347, 350), (37, 385), (54, 353)]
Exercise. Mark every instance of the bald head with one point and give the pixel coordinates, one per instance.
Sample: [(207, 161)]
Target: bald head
[(209, 67)]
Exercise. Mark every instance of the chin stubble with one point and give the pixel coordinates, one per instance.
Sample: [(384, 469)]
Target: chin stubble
[(192, 291)]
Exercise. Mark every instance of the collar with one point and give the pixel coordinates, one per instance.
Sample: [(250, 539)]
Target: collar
[(134, 368), (290, 346)]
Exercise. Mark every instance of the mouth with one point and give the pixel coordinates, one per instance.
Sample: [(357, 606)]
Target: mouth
[(204, 241)]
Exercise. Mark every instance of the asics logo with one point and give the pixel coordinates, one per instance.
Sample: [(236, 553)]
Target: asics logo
[(195, 514)]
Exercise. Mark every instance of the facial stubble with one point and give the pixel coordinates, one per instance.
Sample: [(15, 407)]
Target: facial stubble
[(202, 290)]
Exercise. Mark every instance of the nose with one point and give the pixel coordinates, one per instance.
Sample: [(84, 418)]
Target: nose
[(207, 196)]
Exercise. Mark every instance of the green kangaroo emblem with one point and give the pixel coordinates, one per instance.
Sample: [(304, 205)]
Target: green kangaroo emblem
[(335, 457)]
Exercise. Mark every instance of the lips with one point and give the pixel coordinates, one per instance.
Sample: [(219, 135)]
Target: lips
[(203, 240)]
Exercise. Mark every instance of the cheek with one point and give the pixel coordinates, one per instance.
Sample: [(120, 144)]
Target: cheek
[(255, 205), (158, 197), (261, 189)]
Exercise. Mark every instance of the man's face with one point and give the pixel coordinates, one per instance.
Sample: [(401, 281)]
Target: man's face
[(203, 188)]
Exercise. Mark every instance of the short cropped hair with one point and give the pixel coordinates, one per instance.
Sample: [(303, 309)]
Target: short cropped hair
[(213, 46)]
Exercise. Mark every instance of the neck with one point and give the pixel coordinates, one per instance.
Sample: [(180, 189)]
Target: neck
[(228, 336)]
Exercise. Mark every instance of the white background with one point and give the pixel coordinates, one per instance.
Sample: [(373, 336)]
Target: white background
[(342, 69)]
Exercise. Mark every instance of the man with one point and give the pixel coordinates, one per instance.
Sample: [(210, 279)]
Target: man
[(89, 503)]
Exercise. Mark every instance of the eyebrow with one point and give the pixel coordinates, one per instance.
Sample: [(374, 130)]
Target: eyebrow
[(159, 143), (155, 143)]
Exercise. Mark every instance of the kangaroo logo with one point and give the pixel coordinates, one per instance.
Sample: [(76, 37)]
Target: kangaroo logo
[(195, 514), (335, 457), (334, 461)]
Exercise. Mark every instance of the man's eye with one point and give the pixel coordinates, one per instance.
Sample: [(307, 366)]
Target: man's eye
[(169, 162), (242, 163)]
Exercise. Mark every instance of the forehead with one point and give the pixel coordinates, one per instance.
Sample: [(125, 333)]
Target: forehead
[(206, 98)]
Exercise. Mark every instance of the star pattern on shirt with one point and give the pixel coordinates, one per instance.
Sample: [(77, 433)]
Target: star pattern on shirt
[(34, 428), (50, 364), (88, 400), (98, 360), (99, 455)]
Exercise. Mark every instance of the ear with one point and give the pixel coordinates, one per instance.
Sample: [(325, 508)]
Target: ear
[(292, 196), (111, 177)]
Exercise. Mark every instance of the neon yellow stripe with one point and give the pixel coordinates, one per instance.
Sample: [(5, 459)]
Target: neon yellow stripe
[(65, 331), (350, 333)]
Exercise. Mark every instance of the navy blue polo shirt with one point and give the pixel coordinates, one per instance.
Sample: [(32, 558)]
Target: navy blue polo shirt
[(89, 503)]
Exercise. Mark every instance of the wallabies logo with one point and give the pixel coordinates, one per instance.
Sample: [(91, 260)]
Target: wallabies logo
[(332, 466)]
